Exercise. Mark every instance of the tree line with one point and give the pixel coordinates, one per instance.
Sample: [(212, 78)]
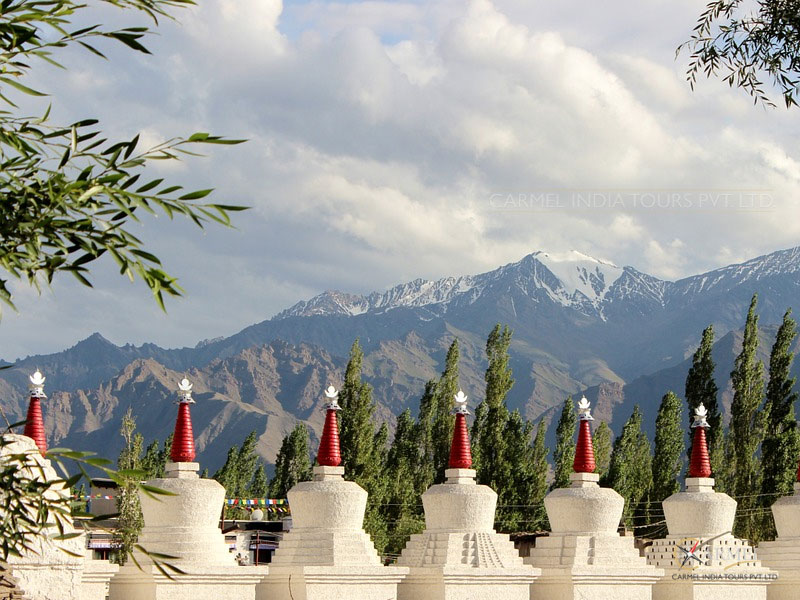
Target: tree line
[(754, 458)]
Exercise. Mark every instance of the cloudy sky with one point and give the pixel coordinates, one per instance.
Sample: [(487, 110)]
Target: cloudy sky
[(396, 140)]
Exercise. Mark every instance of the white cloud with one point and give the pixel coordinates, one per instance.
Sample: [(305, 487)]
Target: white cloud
[(379, 131)]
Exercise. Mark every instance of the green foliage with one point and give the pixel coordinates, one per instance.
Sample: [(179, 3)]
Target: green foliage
[(601, 440), (444, 420), (434, 428), (150, 461), (476, 431), (68, 194), (402, 509), (228, 474), (130, 520), (246, 464), (363, 448), (781, 446), (747, 427), (538, 515), (423, 433), (669, 448), (356, 427), (630, 472), (748, 44), (702, 389), (154, 460), (520, 485), (258, 486), (564, 454), (489, 431), (293, 464)]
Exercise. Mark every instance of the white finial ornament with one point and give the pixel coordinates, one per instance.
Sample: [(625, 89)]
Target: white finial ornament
[(700, 414), (37, 384), (185, 391), (461, 404), (584, 410), (332, 394)]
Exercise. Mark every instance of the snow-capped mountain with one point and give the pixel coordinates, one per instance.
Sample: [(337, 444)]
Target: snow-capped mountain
[(782, 262), (572, 279)]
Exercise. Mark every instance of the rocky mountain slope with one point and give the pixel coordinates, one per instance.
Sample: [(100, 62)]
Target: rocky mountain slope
[(579, 324)]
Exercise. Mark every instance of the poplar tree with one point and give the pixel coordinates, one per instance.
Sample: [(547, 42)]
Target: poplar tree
[(356, 429), (130, 520), (402, 507), (517, 486), (537, 512), (781, 446), (424, 473), (376, 484), (702, 389), (498, 383), (228, 473), (292, 464), (164, 456), (363, 448), (246, 463), (669, 448), (151, 461), (601, 440), (259, 486), (747, 427), (443, 419), (476, 433), (564, 453), (155, 460), (630, 472)]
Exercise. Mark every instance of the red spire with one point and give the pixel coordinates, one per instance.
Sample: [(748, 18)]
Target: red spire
[(460, 453), (584, 451), (34, 424), (329, 454), (700, 465), (183, 438)]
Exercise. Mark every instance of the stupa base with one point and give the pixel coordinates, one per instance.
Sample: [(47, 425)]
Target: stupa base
[(330, 583), (712, 584), (601, 567), (198, 583), (467, 583), (721, 567), (48, 581), (97, 575), (782, 555), (597, 583)]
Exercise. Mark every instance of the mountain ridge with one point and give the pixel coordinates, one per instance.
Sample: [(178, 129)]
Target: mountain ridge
[(580, 325)]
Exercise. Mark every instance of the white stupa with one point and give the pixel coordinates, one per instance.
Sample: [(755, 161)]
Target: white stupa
[(701, 557), (327, 555), (185, 526), (459, 556), (50, 571), (585, 557), (783, 554)]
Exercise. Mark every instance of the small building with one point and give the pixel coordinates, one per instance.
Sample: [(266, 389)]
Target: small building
[(253, 541), (103, 497)]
